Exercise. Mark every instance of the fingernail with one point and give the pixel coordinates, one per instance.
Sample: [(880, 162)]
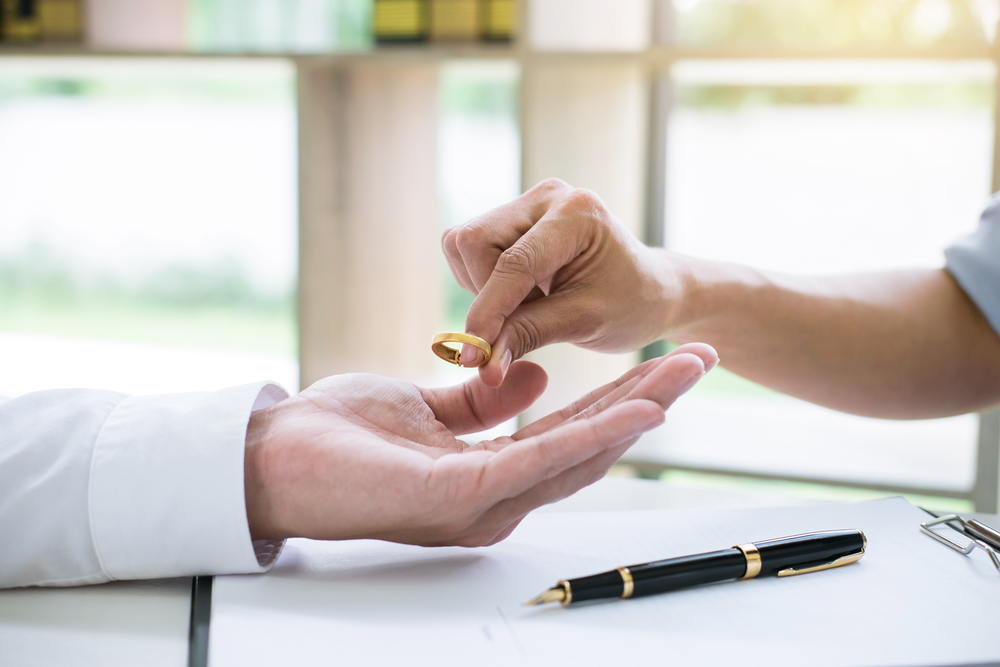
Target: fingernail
[(472, 356), (505, 362)]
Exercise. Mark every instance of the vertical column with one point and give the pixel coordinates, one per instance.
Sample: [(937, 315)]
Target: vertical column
[(369, 280), (655, 230), (664, 22), (586, 121), (986, 494), (661, 104)]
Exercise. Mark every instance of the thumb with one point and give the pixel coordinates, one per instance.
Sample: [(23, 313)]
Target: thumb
[(551, 319)]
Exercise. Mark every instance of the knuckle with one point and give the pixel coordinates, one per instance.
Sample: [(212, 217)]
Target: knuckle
[(517, 260), (468, 238), (586, 201), (552, 184)]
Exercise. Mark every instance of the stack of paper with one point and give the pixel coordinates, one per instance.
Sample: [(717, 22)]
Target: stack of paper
[(909, 601)]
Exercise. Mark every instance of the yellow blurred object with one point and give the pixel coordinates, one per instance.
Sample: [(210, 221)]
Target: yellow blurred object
[(499, 20), (455, 20), (19, 21), (400, 20), (61, 20)]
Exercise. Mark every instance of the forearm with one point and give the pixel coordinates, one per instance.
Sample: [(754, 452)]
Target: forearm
[(904, 344)]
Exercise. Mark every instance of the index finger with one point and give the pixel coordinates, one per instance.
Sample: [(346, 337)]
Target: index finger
[(534, 258), (478, 244)]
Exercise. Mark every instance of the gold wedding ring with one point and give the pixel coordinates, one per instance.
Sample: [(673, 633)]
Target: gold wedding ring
[(453, 356)]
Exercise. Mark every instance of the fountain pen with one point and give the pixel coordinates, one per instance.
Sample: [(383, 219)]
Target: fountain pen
[(784, 556)]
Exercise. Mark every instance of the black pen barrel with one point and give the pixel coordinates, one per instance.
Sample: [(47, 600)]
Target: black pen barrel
[(810, 549), (787, 555), (661, 576), (674, 573)]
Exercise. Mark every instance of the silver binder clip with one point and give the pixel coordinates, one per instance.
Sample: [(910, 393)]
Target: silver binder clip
[(979, 534)]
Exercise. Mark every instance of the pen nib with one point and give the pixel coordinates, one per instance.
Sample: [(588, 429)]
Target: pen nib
[(551, 595)]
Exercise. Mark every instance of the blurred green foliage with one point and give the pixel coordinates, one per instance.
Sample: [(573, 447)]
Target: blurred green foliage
[(38, 273), (465, 92), (277, 87), (939, 95), (272, 26), (213, 306), (179, 304), (828, 23)]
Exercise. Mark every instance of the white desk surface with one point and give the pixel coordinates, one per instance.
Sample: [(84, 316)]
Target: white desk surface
[(121, 623), (112, 624)]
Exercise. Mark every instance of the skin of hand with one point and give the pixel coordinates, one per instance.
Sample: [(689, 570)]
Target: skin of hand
[(360, 456), (555, 266)]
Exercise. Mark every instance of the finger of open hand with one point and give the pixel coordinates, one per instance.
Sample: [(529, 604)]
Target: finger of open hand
[(704, 351), (558, 417), (473, 406), (525, 463), (501, 519), (664, 384), (563, 485), (662, 380)]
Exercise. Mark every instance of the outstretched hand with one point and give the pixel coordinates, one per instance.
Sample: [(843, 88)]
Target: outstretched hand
[(361, 456)]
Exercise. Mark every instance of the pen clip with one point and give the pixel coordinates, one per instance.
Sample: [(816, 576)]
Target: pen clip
[(843, 560)]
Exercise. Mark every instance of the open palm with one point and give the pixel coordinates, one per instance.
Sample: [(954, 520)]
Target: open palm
[(361, 456)]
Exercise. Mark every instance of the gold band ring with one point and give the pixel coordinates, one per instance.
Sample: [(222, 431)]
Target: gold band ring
[(453, 356)]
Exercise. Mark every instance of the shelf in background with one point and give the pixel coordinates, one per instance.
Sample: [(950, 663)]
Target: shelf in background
[(655, 56), (391, 53)]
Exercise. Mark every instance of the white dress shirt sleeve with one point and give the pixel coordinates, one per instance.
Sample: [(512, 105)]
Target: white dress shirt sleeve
[(97, 486)]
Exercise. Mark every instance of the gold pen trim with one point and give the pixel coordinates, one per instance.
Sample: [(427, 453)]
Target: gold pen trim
[(569, 592), (752, 555), (843, 560), (552, 595), (562, 593), (628, 584)]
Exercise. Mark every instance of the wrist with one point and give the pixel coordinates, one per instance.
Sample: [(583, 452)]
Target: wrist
[(259, 506), (705, 298), (677, 288)]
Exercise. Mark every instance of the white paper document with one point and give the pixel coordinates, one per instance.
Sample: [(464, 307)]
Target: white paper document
[(909, 601)]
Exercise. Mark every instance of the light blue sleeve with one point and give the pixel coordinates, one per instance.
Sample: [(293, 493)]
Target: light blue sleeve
[(974, 261)]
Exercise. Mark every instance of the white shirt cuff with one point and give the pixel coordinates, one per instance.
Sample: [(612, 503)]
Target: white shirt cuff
[(166, 485)]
